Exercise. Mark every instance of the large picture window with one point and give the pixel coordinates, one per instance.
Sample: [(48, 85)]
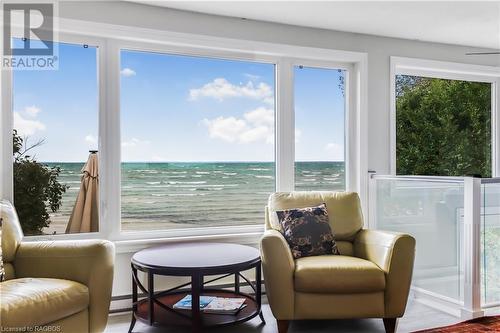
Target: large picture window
[(319, 128), (443, 127), (197, 141), (191, 138), (55, 116)]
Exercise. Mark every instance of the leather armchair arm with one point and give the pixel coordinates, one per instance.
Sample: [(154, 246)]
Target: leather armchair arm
[(395, 254), (89, 262), (279, 267)]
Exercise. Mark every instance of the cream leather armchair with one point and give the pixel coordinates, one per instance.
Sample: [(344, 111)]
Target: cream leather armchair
[(64, 285), (370, 279)]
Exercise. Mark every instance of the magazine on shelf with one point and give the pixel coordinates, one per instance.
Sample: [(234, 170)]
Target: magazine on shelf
[(222, 305), (185, 303)]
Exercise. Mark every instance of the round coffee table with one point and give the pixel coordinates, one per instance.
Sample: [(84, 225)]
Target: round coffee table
[(195, 260)]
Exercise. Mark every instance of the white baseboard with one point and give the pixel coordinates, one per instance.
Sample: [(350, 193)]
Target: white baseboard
[(436, 302)]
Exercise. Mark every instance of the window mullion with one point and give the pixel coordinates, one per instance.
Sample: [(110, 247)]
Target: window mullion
[(285, 126), (6, 124), (109, 141)]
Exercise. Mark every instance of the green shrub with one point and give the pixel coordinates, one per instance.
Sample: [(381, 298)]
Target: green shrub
[(37, 192), (443, 127)]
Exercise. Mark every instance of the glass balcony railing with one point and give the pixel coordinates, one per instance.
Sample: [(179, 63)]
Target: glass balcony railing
[(456, 223), (490, 242)]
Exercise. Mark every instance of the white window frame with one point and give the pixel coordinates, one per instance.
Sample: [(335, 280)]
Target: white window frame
[(121, 45), (113, 38), (349, 116), (7, 126), (450, 71)]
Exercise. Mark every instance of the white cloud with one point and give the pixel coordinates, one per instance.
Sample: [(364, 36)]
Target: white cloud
[(32, 111), (26, 126), (260, 116), (134, 142), (255, 134), (127, 72), (91, 139), (226, 128), (256, 125), (252, 77), (221, 89), (335, 151)]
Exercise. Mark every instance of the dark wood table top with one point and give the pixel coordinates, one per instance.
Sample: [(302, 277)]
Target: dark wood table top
[(196, 257)]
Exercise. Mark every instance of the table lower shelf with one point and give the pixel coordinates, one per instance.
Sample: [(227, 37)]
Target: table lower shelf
[(163, 317)]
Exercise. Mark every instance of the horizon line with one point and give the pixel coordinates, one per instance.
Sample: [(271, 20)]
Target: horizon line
[(322, 161)]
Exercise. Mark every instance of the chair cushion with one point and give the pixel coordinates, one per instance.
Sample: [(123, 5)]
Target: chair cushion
[(344, 209), (38, 301), (337, 274)]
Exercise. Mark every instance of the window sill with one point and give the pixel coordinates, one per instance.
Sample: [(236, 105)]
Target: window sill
[(128, 242), (134, 245)]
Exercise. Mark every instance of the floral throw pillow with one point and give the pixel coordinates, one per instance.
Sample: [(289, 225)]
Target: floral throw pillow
[(308, 231)]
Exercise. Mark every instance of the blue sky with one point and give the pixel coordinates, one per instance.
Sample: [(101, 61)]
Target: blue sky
[(177, 108), (59, 106)]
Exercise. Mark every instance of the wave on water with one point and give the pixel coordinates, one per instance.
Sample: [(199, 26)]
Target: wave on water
[(148, 171), (157, 192), (192, 185), (177, 194), (207, 189)]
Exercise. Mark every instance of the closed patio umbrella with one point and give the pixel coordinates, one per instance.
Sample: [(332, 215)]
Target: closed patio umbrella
[(85, 215)]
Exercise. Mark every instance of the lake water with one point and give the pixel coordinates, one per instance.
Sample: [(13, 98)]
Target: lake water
[(182, 195)]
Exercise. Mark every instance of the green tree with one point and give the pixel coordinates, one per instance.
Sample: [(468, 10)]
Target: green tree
[(443, 127), (36, 188)]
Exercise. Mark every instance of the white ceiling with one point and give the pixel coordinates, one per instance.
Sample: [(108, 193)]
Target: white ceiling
[(471, 23)]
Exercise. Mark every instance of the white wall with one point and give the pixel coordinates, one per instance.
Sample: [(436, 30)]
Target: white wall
[(379, 50)]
